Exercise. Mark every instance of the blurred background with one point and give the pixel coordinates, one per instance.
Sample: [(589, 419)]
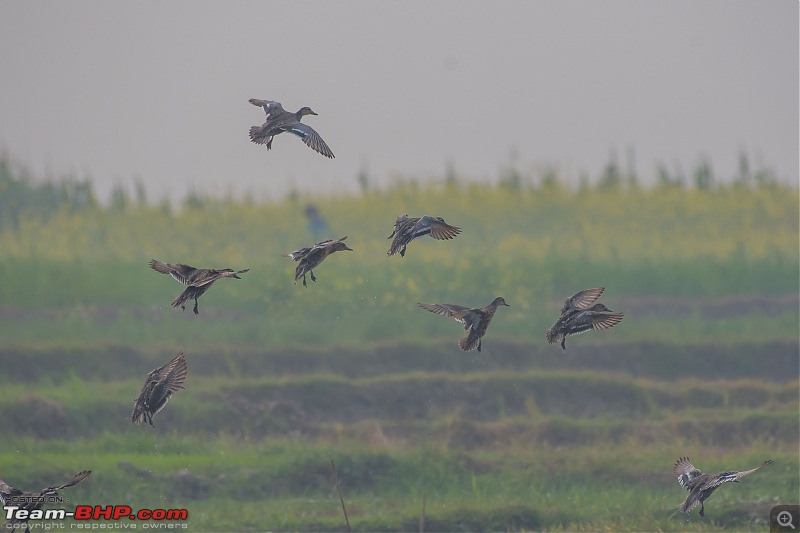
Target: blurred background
[(649, 148)]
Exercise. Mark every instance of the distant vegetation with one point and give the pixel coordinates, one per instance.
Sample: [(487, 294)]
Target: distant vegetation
[(86, 264)]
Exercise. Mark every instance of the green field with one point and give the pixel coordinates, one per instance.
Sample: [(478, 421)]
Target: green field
[(282, 378)]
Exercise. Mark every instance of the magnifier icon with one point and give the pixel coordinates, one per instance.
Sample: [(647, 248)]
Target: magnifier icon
[(785, 519)]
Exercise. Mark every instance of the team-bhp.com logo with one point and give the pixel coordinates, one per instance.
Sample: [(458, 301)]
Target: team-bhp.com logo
[(89, 514)]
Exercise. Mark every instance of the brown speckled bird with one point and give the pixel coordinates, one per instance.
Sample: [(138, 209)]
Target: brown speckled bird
[(475, 320), (31, 501), (309, 258), (407, 229), (199, 280), (701, 486), (280, 120), (159, 385)]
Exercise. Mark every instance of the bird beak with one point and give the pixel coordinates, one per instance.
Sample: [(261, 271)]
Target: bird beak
[(348, 249), (236, 276)]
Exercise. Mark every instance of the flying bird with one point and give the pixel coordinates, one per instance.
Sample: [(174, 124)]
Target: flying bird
[(159, 385), (32, 501), (579, 314), (595, 318), (407, 229), (199, 280), (701, 486), (280, 120), (310, 258), (475, 320)]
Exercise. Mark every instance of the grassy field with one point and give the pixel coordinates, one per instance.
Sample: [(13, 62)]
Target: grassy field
[(282, 378)]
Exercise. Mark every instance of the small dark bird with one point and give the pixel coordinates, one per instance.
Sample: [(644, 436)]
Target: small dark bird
[(31, 501), (199, 280), (701, 486), (475, 319), (310, 258), (407, 229), (595, 318), (279, 121), (159, 385)]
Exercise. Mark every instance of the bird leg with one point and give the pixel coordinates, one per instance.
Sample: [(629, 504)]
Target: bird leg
[(563, 343), (269, 144), (195, 307), (702, 509), (312, 276), (479, 345), (304, 281), (403, 251)]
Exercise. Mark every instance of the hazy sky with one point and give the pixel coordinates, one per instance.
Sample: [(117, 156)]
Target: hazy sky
[(159, 90)]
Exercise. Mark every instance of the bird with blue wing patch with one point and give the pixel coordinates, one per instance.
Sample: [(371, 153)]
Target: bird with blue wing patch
[(279, 120)]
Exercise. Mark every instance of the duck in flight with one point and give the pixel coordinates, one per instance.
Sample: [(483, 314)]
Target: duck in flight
[(279, 120), (579, 314), (406, 229), (159, 385), (701, 486), (475, 320), (199, 280), (311, 257)]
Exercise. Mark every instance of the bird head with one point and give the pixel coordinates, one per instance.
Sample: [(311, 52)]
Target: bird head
[(231, 273), (339, 246), (305, 111)]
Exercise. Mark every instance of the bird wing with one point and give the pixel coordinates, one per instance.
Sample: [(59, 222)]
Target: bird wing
[(175, 373), (583, 299), (80, 476), (179, 272), (448, 310), (300, 253), (310, 137), (198, 278), (467, 316), (167, 387), (271, 107), (602, 321), (439, 229), (685, 471), (726, 477)]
